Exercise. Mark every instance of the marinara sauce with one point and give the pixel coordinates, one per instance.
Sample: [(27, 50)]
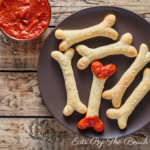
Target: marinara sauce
[(102, 72), (93, 121), (24, 19)]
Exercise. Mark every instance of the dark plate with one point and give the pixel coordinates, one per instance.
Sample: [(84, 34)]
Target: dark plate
[(51, 81)]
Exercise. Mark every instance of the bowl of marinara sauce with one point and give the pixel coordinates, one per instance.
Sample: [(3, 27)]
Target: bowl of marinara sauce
[(24, 20)]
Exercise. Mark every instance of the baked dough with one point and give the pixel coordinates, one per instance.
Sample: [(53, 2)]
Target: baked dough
[(127, 108), (92, 116), (116, 93), (73, 100), (121, 47), (95, 96), (71, 37)]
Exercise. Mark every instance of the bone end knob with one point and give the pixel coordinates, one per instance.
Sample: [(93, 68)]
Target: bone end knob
[(132, 52), (68, 110), (83, 50), (110, 19), (110, 95), (127, 40), (59, 34), (114, 36), (114, 114), (63, 45)]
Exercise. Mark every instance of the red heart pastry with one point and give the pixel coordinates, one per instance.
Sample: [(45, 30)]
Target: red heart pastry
[(101, 71), (93, 121)]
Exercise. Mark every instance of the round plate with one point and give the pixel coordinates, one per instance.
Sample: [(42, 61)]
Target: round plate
[(51, 81)]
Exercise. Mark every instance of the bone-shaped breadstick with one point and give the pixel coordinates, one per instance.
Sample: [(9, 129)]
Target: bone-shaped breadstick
[(116, 93), (127, 108), (71, 37), (73, 100), (121, 47), (100, 74)]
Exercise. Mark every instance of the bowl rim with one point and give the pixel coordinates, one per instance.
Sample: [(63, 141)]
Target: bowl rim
[(24, 40)]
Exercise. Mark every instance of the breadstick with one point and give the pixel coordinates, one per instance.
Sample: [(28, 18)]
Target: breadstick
[(100, 74), (121, 47), (116, 93), (73, 100), (71, 37), (127, 108)]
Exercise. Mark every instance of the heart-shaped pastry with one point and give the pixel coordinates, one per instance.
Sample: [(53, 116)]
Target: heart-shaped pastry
[(101, 71), (91, 121)]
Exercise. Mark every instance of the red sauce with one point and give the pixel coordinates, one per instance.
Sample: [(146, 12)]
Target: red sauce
[(102, 72), (24, 19), (94, 122)]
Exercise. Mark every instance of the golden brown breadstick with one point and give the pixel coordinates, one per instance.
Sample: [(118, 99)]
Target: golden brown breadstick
[(73, 100), (116, 93), (121, 47), (127, 108), (71, 37), (92, 117)]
